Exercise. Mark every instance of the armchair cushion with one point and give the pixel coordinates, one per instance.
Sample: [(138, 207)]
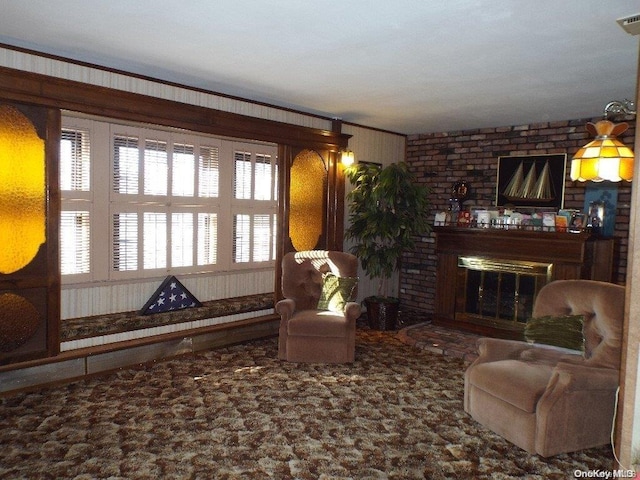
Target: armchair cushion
[(561, 331), (318, 324), (521, 383), (336, 292)]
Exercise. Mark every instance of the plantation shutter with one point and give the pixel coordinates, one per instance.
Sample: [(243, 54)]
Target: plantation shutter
[(126, 162), (207, 238), (154, 234), (242, 175), (181, 239), (125, 241), (75, 160), (183, 170), (263, 177), (241, 238), (75, 242), (156, 167), (208, 172), (262, 238)]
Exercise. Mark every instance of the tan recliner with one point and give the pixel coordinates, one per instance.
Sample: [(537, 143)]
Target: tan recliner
[(543, 399), (306, 333)]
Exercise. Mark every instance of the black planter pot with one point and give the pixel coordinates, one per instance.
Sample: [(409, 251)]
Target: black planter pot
[(382, 312)]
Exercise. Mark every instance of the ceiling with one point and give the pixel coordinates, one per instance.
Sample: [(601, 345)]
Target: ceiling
[(408, 66)]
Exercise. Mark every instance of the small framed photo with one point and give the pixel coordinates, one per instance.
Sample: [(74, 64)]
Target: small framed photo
[(483, 219), (464, 218), (561, 223), (549, 222)]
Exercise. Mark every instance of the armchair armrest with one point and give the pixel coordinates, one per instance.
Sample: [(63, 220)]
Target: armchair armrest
[(576, 411), (352, 310), (492, 349), (575, 377), (286, 308)]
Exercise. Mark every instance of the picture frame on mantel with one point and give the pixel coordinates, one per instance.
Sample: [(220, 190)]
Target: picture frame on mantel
[(531, 181)]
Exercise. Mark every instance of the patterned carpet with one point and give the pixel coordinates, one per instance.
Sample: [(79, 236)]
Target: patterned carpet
[(238, 412)]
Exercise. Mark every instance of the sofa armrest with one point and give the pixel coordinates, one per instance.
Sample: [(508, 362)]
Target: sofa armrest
[(492, 349)]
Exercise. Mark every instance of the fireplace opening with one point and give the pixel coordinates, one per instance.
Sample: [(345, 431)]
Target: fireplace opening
[(499, 291)]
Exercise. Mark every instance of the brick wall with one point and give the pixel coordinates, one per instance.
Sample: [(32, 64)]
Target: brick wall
[(441, 159)]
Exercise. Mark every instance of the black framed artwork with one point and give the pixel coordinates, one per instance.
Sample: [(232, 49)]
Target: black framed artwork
[(533, 181)]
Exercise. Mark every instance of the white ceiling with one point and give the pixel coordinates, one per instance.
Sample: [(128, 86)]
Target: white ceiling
[(408, 66)]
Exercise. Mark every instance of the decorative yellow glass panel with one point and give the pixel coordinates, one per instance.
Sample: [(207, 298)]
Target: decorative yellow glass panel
[(19, 321), (22, 190), (306, 202)]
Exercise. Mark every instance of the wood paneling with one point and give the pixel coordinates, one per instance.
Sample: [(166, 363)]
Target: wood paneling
[(19, 86), (38, 282)]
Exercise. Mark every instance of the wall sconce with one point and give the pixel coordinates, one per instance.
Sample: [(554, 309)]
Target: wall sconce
[(605, 158), (347, 158)]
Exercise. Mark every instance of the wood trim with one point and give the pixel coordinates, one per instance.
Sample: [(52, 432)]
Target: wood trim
[(39, 280), (53, 129), (138, 342), (43, 90), (169, 83)]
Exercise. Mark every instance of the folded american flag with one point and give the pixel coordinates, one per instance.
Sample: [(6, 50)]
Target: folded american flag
[(170, 295)]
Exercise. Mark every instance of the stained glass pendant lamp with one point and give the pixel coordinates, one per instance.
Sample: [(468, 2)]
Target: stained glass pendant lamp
[(606, 157)]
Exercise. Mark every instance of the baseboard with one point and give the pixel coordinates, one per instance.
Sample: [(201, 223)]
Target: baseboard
[(84, 363)]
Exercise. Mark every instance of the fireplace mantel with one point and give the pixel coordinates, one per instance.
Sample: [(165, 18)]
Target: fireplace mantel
[(569, 255)]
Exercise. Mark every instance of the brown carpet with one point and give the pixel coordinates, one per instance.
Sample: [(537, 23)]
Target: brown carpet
[(238, 412)]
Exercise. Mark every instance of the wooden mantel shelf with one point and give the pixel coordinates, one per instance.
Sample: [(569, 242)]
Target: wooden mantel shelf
[(572, 256), (514, 244)]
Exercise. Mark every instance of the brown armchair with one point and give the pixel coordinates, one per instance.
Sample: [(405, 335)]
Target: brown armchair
[(308, 334), (544, 399)]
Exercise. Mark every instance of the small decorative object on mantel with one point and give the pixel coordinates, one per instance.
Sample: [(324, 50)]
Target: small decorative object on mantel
[(605, 195), (459, 194), (171, 295), (464, 218)]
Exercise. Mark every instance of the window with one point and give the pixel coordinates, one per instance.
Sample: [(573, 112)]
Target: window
[(168, 195), (125, 164), (75, 215), (75, 160), (207, 238), (208, 172), (254, 207), (125, 241), (156, 167), (183, 170), (75, 236)]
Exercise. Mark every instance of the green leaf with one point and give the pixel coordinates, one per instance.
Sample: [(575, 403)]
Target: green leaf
[(387, 211)]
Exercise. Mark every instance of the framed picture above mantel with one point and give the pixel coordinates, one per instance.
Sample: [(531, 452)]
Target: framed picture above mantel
[(532, 181)]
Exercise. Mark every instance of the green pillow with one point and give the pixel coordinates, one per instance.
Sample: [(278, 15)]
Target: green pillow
[(336, 292), (563, 331)]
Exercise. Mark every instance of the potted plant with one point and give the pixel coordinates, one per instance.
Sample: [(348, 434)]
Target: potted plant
[(387, 211)]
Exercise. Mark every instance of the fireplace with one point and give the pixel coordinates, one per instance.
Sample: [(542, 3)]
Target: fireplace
[(498, 290), (487, 279)]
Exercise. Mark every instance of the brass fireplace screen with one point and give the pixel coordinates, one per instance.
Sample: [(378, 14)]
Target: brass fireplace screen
[(499, 290)]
